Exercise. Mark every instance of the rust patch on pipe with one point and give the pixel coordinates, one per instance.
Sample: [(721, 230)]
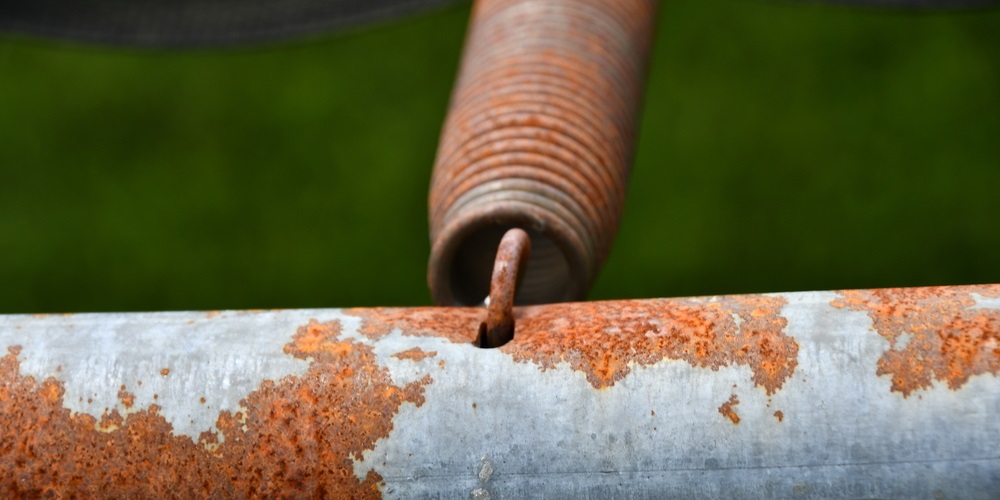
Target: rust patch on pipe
[(934, 333), (298, 437), (457, 324), (415, 354), (604, 339), (779, 415), (127, 398), (726, 410)]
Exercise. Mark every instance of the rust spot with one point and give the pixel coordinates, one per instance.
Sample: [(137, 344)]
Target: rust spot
[(605, 339), (415, 354), (727, 409), (127, 398), (51, 391), (473, 406), (277, 447), (212, 314), (165, 372), (110, 421), (934, 333), (458, 324), (201, 400), (779, 415)]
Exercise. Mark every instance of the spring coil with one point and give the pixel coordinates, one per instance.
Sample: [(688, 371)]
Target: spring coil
[(540, 136)]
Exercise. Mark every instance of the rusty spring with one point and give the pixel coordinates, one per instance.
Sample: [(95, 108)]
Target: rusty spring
[(540, 136)]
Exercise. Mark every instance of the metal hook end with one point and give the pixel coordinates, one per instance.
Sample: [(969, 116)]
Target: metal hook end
[(512, 255)]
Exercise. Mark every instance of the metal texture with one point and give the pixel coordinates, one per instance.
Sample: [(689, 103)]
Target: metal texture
[(539, 136), (889, 393), (195, 23), (515, 248)]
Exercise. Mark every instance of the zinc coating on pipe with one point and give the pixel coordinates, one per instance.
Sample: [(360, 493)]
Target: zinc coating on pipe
[(889, 393), (540, 135)]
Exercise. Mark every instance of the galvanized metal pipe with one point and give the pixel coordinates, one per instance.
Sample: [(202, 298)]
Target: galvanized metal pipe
[(871, 393), (539, 136)]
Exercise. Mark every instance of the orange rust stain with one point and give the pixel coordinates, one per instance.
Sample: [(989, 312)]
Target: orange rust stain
[(458, 324), (779, 415), (727, 409), (278, 447), (51, 391), (212, 314), (415, 354), (127, 398), (165, 372), (934, 333), (605, 339)]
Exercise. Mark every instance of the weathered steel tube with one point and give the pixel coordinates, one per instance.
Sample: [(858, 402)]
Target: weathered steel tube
[(889, 393), (539, 136)]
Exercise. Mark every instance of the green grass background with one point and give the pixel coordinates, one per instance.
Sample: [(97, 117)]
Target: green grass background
[(783, 147)]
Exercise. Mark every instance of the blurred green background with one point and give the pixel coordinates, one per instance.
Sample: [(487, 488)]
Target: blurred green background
[(783, 147)]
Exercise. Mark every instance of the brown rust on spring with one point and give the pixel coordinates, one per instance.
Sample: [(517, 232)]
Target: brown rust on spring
[(540, 136), (934, 333), (298, 438), (607, 340)]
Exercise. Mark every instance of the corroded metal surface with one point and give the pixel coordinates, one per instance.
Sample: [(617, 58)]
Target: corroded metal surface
[(539, 136), (872, 393), (515, 247)]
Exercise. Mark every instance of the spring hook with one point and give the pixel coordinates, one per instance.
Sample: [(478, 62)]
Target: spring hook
[(512, 254)]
